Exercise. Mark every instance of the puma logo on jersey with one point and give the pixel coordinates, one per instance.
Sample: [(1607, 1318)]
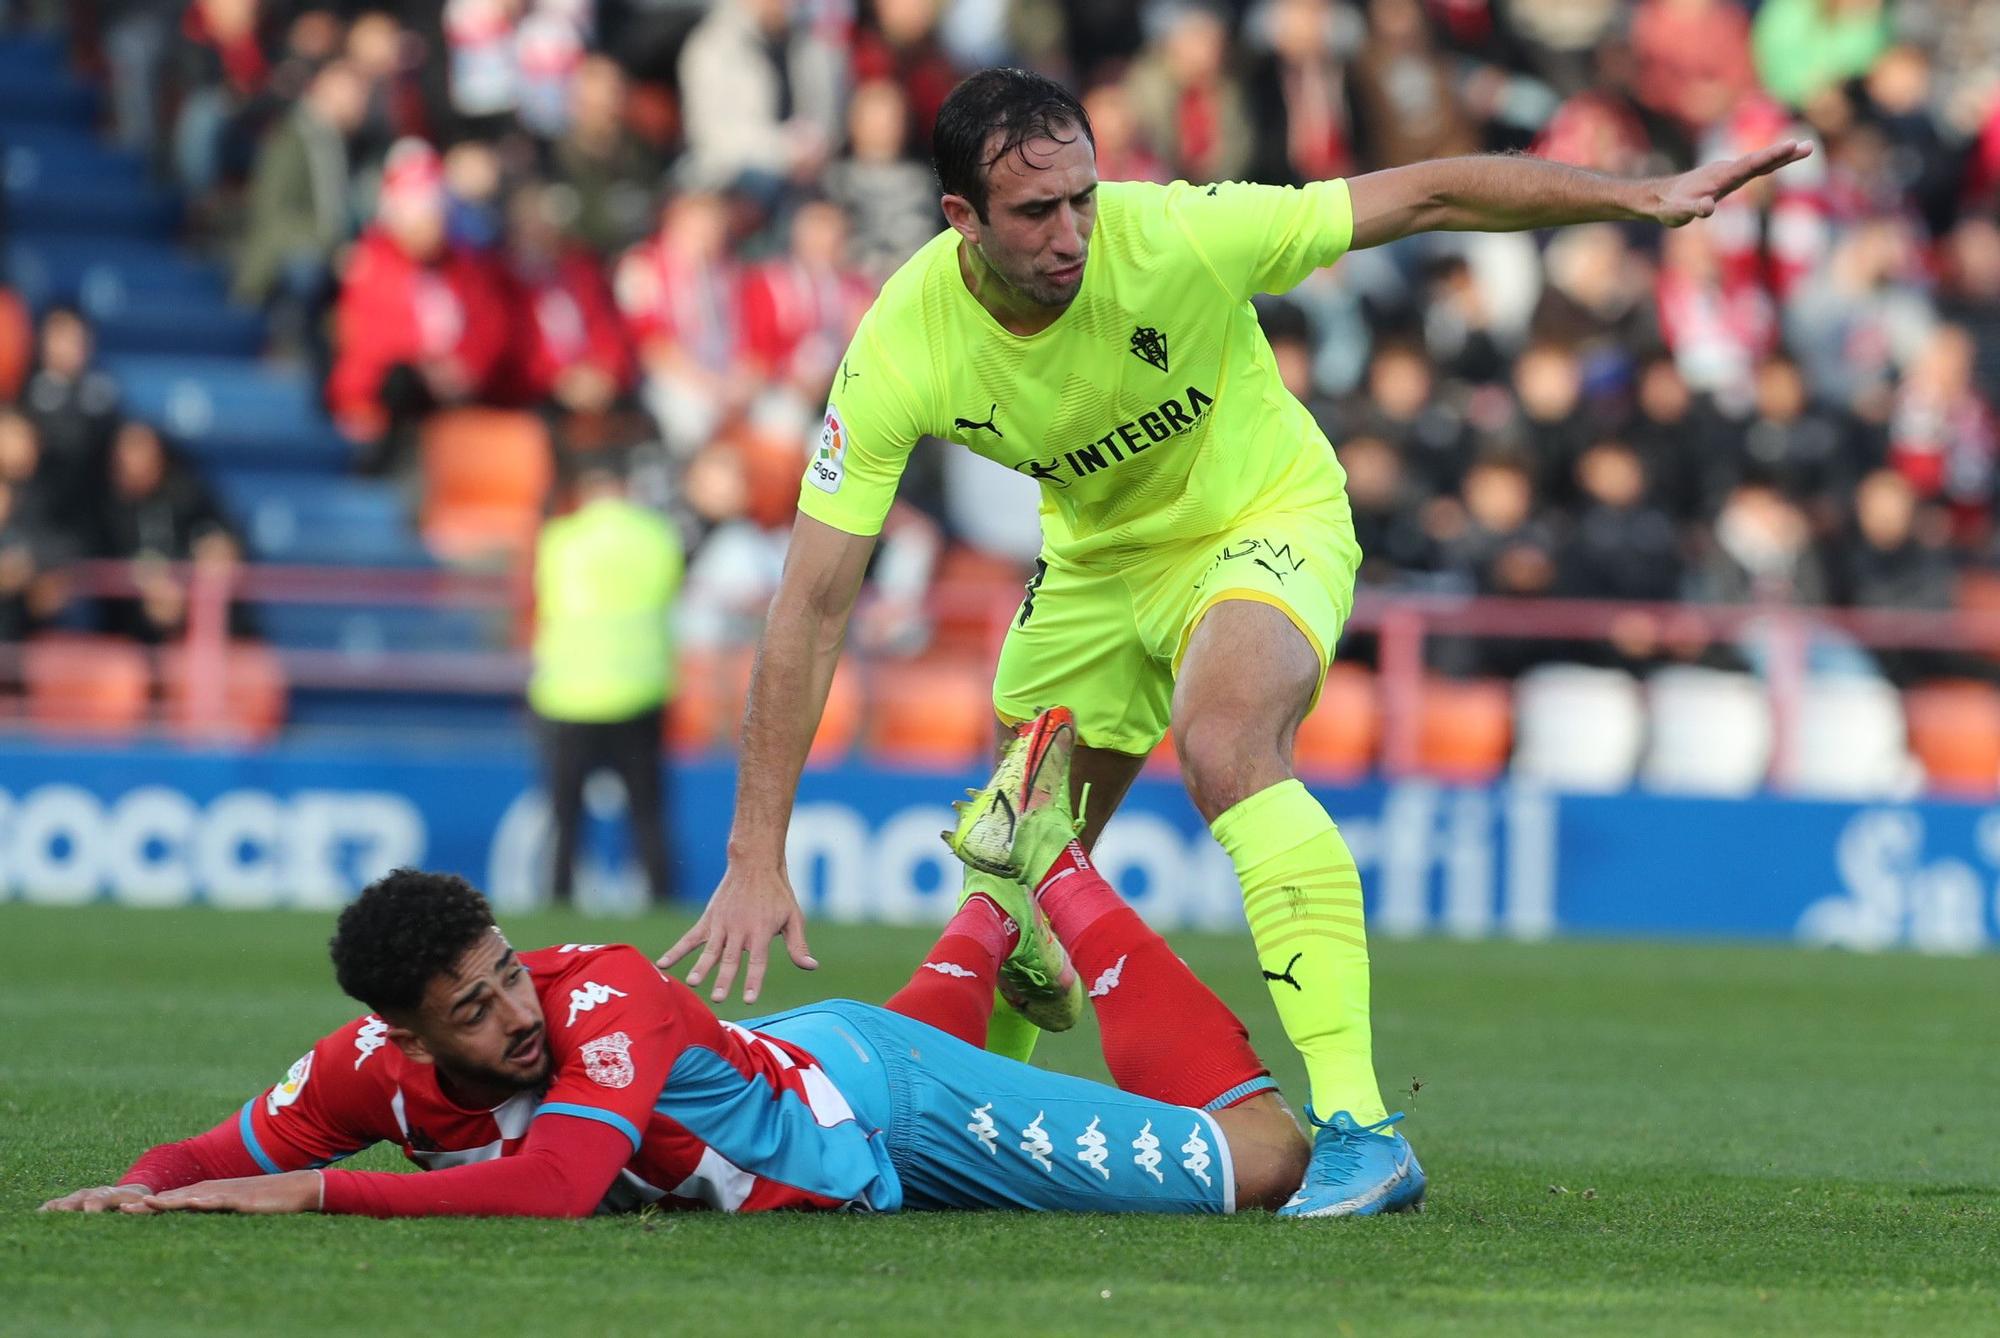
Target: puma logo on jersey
[(967, 425), (591, 995)]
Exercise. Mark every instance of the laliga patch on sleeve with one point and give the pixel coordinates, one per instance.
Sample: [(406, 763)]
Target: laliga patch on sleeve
[(825, 469), (608, 1060), (288, 1091)]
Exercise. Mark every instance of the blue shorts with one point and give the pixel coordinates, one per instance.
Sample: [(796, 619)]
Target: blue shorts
[(969, 1129)]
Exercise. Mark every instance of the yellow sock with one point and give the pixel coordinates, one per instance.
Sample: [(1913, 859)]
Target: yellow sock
[(1009, 1033), (1302, 896)]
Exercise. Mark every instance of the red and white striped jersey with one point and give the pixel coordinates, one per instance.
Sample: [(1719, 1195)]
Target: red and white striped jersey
[(717, 1116)]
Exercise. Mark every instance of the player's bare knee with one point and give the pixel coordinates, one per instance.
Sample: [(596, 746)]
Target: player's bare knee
[(1223, 763)]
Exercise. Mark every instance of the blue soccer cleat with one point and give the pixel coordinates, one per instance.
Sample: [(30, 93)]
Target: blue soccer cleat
[(1358, 1170)]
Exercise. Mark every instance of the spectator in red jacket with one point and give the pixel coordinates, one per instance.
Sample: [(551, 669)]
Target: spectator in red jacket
[(799, 311), (421, 323), (902, 45), (679, 292), (569, 349), (1942, 435)]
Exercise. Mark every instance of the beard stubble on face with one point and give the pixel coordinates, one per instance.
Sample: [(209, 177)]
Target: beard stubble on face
[(474, 1075), (1034, 287)]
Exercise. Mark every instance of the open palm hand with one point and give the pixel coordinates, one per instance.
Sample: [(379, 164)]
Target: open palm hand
[(1694, 194)]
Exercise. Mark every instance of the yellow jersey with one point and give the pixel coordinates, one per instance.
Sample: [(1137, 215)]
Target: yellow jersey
[(1151, 411)]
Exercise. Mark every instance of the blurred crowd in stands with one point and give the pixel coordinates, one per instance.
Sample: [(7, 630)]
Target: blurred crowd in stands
[(654, 224)]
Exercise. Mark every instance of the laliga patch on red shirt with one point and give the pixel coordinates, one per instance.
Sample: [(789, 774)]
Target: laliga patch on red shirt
[(294, 1083), (608, 1060)]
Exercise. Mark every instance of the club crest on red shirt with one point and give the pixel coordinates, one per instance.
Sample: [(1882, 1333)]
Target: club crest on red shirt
[(608, 1060)]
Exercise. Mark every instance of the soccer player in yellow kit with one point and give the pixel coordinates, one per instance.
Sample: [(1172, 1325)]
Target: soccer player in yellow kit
[(1198, 557)]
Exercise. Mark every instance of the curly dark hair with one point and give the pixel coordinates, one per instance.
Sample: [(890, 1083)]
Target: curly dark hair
[(405, 928), (1020, 105)]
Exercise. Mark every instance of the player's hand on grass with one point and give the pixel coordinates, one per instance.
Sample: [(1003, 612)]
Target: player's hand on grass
[(97, 1199), (747, 911), (292, 1192), (1694, 194)]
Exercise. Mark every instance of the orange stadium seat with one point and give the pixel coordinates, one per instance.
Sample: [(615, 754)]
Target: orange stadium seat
[(707, 710), (1979, 592), (928, 714), (1955, 733), (973, 596), (249, 708), (1164, 761), (86, 684), (487, 474), (1339, 738), (840, 722), (17, 345), (1464, 729), (773, 463), (708, 706)]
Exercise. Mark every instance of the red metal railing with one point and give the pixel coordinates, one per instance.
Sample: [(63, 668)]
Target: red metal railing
[(1403, 624)]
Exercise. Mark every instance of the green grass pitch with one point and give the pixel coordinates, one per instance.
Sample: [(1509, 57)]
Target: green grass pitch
[(1621, 1139)]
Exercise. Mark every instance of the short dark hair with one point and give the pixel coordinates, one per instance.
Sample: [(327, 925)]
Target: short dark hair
[(405, 928), (1018, 104)]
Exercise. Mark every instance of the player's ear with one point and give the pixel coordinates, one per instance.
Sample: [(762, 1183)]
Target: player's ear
[(411, 1044), (964, 219)]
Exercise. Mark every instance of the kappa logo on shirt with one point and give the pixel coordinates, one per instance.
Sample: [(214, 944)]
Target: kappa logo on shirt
[(374, 1034), (608, 1060), (591, 995)]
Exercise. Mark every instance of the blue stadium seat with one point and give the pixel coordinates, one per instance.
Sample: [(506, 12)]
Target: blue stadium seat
[(226, 410), (147, 324), (365, 630), (104, 273), (36, 157), (94, 208), (318, 708), (45, 97), (302, 518), (31, 52)]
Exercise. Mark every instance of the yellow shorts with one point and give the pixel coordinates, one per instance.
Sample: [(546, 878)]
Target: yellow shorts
[(1109, 644)]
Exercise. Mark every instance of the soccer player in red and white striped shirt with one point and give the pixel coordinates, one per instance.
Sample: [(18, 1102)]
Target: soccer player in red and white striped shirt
[(569, 1080)]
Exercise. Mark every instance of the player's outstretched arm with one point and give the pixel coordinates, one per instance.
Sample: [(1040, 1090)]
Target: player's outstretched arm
[(563, 1170), (1509, 193), (216, 1155), (795, 662), (97, 1199)]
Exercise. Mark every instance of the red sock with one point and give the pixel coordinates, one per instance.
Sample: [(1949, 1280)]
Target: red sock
[(1165, 1033), (953, 989)]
